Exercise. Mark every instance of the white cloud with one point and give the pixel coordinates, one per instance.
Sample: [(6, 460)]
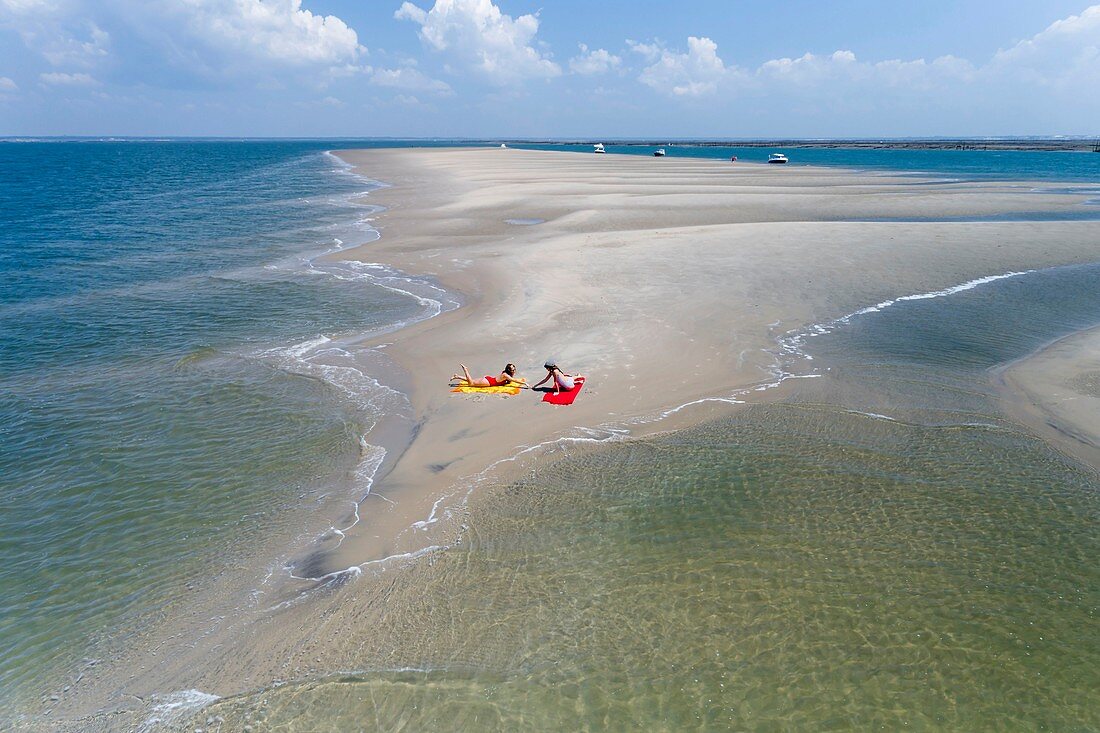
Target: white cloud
[(808, 67), (1037, 86), (17, 7), (61, 33), (170, 42), (408, 11), (7, 85), (599, 61), (695, 73), (1065, 56), (482, 38), (411, 79), (69, 50), (277, 31), (1062, 59), (841, 70), (329, 102), (651, 51), (1066, 53), (58, 78), (1058, 62), (1079, 32)]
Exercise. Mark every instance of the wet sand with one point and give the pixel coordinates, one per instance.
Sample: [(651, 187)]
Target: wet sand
[(666, 282), (1056, 392)]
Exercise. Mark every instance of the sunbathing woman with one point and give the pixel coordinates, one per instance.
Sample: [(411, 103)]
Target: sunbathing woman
[(562, 382), (506, 377)]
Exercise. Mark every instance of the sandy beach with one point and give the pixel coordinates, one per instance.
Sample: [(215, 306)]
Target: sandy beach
[(667, 283)]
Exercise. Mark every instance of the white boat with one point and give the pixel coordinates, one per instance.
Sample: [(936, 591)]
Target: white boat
[(659, 153), (777, 158), (598, 148)]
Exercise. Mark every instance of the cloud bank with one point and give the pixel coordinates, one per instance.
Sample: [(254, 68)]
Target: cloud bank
[(1065, 56), (276, 31), (246, 60), (480, 38), (58, 78), (698, 72), (597, 61)]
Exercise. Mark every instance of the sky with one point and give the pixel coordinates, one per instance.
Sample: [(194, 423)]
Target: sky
[(563, 69)]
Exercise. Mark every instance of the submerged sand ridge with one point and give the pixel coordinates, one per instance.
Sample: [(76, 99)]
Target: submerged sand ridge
[(1056, 391), (664, 281)]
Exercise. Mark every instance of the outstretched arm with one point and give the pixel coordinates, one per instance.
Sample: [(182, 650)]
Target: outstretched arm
[(545, 379)]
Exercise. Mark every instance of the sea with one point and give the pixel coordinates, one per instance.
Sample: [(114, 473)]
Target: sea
[(881, 549)]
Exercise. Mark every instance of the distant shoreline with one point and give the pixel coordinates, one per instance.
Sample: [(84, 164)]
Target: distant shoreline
[(1037, 144)]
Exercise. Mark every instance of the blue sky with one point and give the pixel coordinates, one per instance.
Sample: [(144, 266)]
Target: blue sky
[(512, 68)]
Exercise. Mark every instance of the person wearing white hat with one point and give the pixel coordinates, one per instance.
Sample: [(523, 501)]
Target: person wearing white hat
[(562, 382)]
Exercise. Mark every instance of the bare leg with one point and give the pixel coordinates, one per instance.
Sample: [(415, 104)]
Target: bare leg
[(470, 381), (464, 377)]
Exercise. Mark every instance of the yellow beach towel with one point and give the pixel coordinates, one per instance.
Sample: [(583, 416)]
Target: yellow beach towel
[(499, 389)]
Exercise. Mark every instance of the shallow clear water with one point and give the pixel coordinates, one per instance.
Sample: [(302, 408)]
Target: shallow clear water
[(755, 575), (882, 549), (152, 426)]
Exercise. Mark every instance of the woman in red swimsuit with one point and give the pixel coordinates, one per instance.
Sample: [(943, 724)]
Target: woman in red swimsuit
[(508, 376)]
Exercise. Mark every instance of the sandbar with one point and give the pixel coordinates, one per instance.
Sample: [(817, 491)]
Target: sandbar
[(666, 282)]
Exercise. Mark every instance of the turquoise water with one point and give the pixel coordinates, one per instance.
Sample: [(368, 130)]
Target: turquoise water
[(177, 389)]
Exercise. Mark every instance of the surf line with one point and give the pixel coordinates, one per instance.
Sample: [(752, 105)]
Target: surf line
[(356, 570), (320, 358), (792, 343)]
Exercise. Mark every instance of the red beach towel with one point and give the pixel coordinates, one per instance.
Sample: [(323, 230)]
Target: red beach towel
[(565, 398)]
